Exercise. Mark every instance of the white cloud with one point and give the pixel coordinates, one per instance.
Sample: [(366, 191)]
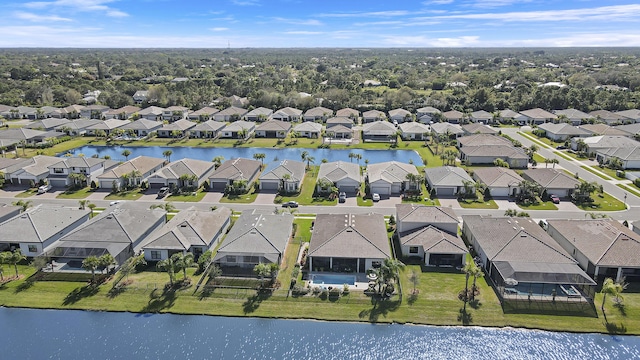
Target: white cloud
[(309, 22), (390, 13), (38, 18), (303, 32), (219, 29), (497, 3), (246, 2), (437, 2), (79, 5), (421, 40)]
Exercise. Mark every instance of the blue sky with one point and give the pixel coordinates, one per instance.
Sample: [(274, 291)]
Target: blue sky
[(325, 23)]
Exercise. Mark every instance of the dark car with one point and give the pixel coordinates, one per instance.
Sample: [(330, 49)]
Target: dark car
[(561, 147), (164, 191), (342, 197), (291, 204), (555, 199)]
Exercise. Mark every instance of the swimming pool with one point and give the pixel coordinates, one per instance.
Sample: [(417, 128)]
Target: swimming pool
[(333, 279)]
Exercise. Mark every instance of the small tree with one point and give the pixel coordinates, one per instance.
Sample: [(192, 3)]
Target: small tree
[(262, 270), (218, 160), (3, 260), (609, 287), (260, 156), (91, 263), (126, 154), (25, 204), (167, 154), (414, 277), (106, 260), (168, 266)]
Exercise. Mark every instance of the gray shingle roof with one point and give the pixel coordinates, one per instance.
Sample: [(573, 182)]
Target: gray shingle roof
[(538, 113), (180, 125), (319, 111), (483, 139), (209, 125), (443, 128), (507, 151), (232, 110), (108, 124), (497, 176), (348, 112), (77, 162), (434, 241), (20, 134), (390, 171), (236, 169), (479, 128), (142, 124), (550, 178), (40, 223), (276, 170), (573, 114), (240, 125), (274, 125), (413, 127), (338, 170), (175, 169), (422, 213), (308, 126), (562, 129), (350, 236), (608, 116), (380, 127), (143, 164), (447, 176)]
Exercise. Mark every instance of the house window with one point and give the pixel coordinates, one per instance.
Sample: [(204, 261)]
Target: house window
[(156, 255), (413, 250), (376, 264), (58, 171), (33, 248), (251, 259), (231, 258)]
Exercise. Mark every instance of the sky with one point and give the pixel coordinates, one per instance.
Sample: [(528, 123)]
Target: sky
[(319, 23)]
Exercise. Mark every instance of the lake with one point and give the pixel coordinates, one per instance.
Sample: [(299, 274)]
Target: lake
[(70, 334), (272, 154)]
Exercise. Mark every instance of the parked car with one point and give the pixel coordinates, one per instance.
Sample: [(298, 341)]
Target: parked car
[(342, 197), (554, 198), (44, 188), (375, 197), (164, 191), (290, 204), (561, 147)]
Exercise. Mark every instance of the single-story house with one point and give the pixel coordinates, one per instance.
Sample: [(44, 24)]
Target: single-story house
[(259, 114), (38, 227), (209, 129), (122, 113), (29, 136), (348, 112), (538, 116), (481, 116), (427, 110), (575, 117), (594, 144), (47, 124), (344, 175), (94, 111), (390, 177), (142, 126), (308, 129), (510, 116), (237, 128), (629, 157), (552, 181), (339, 132), (434, 247), (107, 126), (446, 180), (483, 140), (153, 113), (181, 173), (373, 115), (255, 238), (232, 113), (189, 231), (453, 117), (351, 243), (516, 157), (411, 217), (562, 131), (500, 181), (622, 130), (31, 171), (120, 230), (175, 113), (285, 176), (178, 128), (77, 127), (287, 114), (232, 170), (140, 96), (317, 113), (602, 247), (337, 121), (73, 111), (478, 128), (633, 114), (446, 129), (400, 116), (524, 262), (142, 167), (379, 131), (610, 118), (204, 114), (60, 173), (414, 131), (273, 129)]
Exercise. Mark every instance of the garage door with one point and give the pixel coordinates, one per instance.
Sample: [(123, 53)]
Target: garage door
[(382, 190), (106, 184), (396, 188), (445, 191), (58, 182), (269, 185), (500, 192)]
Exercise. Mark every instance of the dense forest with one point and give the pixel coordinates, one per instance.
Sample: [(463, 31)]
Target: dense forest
[(462, 79)]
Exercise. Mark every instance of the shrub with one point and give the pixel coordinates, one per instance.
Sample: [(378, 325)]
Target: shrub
[(299, 290)]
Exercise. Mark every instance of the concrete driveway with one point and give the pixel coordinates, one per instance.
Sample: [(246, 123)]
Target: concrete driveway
[(450, 202), (51, 194), (265, 198), (351, 201), (212, 197), (388, 201)]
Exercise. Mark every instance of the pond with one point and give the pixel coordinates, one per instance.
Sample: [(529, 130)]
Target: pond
[(271, 154), (70, 335)]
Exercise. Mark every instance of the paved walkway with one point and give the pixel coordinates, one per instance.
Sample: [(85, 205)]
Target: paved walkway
[(265, 198), (214, 197), (450, 202)]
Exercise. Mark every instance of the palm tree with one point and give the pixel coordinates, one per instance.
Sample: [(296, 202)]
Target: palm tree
[(467, 270), (260, 156), (262, 270), (183, 261), (167, 154), (106, 260), (414, 277), (415, 179), (3, 259), (476, 272), (304, 155), (91, 206), (218, 160), (168, 207), (611, 288), (352, 156), (14, 258), (310, 160), (91, 263), (126, 154), (168, 266), (554, 162), (83, 204), (25, 204)]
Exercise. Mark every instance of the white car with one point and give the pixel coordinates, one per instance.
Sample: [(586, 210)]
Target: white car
[(375, 197)]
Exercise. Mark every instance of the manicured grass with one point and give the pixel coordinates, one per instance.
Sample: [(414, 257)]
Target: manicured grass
[(538, 158), (75, 194), (574, 156), (544, 140), (27, 193), (247, 198), (535, 139), (563, 155), (542, 205), (478, 203), (305, 197), (594, 172), (134, 194), (630, 188), (364, 202), (58, 148), (422, 199), (200, 194), (603, 202), (611, 172)]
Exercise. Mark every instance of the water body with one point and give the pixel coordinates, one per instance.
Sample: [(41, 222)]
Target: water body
[(70, 335), (272, 154)]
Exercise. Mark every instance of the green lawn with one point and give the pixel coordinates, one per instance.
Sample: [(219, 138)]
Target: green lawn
[(305, 197), (542, 205), (134, 194), (200, 194), (603, 202), (424, 198), (478, 203), (630, 188), (574, 156), (27, 193), (591, 170), (535, 139), (75, 194), (612, 173), (247, 198)]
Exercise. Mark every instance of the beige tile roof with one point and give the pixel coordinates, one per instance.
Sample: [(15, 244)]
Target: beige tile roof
[(350, 236)]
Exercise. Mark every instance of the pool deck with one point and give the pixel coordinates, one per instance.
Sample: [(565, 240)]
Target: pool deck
[(361, 282)]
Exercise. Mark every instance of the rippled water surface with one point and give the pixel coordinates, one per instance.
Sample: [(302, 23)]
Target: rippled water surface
[(69, 335), (207, 154)]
